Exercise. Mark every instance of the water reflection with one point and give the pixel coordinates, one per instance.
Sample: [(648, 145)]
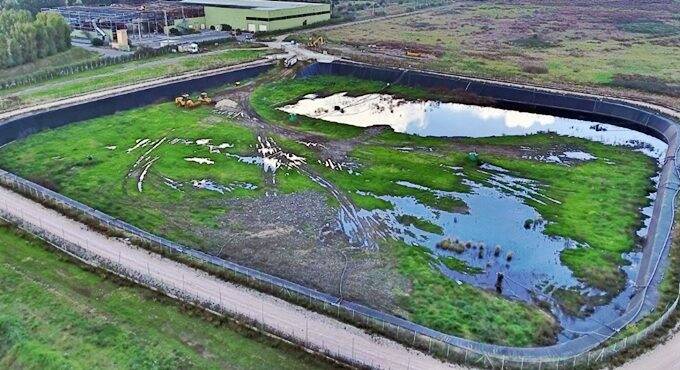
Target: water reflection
[(431, 118)]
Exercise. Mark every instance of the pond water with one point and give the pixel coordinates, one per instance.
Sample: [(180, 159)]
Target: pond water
[(497, 209), (432, 118)]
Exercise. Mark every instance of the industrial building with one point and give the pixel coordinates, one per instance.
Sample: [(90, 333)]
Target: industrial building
[(104, 21), (114, 24), (260, 15)]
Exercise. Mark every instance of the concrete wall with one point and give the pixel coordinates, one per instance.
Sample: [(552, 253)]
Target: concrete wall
[(238, 18)]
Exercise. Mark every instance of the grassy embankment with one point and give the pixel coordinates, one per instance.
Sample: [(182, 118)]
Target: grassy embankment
[(125, 74), (623, 46), (56, 315), (599, 201), (71, 56)]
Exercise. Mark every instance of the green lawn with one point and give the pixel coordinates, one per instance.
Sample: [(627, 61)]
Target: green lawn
[(440, 303), (107, 179), (56, 315)]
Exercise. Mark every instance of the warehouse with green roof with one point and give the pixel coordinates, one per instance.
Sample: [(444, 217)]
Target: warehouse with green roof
[(261, 15)]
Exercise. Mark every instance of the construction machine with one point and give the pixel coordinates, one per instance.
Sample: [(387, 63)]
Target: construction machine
[(414, 53), (316, 42), (204, 99), (185, 101)]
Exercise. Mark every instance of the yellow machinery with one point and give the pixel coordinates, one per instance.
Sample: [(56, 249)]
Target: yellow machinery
[(185, 101), (316, 42), (205, 99), (414, 53)]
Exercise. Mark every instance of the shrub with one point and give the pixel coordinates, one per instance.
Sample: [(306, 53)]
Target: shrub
[(534, 68), (532, 42), (645, 83), (97, 42)]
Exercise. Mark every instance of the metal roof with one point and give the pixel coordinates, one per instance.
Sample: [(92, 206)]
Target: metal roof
[(251, 4)]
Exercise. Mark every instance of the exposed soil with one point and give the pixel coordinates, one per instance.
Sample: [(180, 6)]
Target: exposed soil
[(297, 236)]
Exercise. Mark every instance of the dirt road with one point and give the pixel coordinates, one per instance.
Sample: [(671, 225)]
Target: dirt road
[(304, 325), (663, 357)]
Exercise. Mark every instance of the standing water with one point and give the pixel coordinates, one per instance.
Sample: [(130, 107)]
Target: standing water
[(535, 265)]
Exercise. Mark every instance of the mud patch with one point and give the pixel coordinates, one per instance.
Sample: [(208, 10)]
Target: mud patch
[(297, 237)]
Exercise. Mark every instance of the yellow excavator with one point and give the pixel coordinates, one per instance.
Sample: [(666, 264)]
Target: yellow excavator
[(185, 101), (204, 99), (316, 42)]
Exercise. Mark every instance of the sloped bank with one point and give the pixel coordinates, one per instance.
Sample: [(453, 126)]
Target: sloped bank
[(506, 97)]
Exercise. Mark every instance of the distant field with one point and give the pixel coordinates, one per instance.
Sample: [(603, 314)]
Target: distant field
[(610, 44), (56, 315), (124, 74), (73, 55)]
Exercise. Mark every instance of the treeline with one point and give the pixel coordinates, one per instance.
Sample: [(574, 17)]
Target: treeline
[(24, 38)]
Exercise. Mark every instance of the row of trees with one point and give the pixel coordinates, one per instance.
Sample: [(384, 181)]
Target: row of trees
[(24, 38)]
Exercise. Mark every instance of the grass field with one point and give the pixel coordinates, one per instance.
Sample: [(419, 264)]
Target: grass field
[(56, 315), (90, 164), (73, 55), (102, 168), (612, 44), (124, 74)]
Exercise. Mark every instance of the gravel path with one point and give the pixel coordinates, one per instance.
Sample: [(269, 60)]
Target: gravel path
[(664, 357), (305, 325)]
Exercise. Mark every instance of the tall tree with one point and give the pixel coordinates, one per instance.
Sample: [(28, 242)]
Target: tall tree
[(24, 39)]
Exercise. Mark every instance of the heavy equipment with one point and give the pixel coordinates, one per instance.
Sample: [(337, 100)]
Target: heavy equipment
[(185, 101), (204, 99), (316, 42)]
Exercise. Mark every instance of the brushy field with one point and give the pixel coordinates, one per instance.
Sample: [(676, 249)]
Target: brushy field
[(615, 45), (81, 162), (71, 56), (56, 315), (124, 74)]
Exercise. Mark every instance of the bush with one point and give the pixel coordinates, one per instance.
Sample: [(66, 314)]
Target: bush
[(646, 83), (97, 42), (532, 42), (226, 27), (535, 68)]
